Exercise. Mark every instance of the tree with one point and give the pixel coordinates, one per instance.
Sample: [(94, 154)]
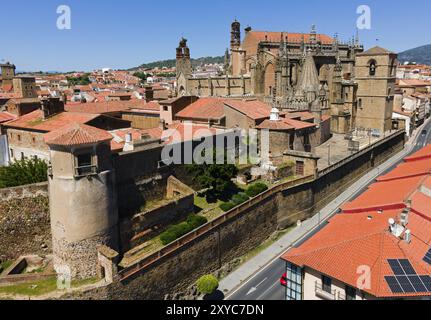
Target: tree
[(26, 171), (207, 284), (217, 178), (141, 75)]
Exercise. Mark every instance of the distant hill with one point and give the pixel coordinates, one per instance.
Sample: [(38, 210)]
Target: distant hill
[(420, 55), (171, 63)]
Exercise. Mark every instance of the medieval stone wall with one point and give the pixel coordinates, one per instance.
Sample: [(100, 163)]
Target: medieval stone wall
[(208, 251), (24, 225)]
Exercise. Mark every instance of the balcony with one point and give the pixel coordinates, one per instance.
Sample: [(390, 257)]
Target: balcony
[(324, 294), (84, 171)]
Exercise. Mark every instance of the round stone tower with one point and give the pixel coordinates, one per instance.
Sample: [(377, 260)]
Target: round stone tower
[(82, 197)]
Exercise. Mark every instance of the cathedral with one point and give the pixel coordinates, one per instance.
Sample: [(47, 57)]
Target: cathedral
[(302, 72)]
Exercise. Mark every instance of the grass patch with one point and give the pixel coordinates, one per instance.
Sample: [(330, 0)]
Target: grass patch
[(5, 265), (32, 289)]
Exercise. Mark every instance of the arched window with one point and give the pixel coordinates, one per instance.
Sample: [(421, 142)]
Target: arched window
[(372, 67), (360, 103)]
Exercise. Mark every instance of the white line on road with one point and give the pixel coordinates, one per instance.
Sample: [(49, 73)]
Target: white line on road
[(253, 289)]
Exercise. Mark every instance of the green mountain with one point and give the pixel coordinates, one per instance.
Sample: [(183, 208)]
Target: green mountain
[(171, 63), (420, 55)]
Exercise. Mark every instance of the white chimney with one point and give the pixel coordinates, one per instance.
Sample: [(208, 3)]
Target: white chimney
[(128, 145), (405, 217), (275, 115), (408, 236)]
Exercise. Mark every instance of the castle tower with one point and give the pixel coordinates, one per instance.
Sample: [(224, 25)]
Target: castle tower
[(24, 86), (235, 35), (237, 57), (375, 72), (82, 198), (183, 67), (7, 73)]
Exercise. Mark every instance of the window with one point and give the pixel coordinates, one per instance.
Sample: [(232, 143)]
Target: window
[(11, 153), (22, 156), (350, 293), (326, 284), (294, 282), (373, 67), (84, 165), (19, 137), (165, 108), (360, 103)]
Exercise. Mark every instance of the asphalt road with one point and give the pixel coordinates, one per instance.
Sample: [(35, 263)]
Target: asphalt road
[(266, 285)]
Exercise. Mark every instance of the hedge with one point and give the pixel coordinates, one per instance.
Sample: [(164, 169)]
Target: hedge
[(178, 230), (239, 198), (256, 189), (227, 206)]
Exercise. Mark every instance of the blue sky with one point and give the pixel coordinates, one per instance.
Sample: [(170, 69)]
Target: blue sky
[(124, 34)]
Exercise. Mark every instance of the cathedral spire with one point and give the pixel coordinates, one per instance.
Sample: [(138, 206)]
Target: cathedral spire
[(309, 82)]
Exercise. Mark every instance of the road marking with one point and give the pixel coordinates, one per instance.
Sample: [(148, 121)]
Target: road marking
[(254, 289), (267, 290)]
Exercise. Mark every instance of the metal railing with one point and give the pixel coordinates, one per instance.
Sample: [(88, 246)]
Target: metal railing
[(83, 171)]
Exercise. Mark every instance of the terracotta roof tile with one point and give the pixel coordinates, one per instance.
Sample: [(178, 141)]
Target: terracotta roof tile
[(76, 134), (360, 236)]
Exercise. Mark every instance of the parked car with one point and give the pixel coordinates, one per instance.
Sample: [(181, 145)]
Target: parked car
[(424, 132), (283, 280)]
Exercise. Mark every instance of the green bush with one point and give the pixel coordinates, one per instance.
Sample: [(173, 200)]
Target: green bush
[(256, 189), (26, 171), (240, 198), (178, 230), (196, 221), (227, 206), (207, 284)]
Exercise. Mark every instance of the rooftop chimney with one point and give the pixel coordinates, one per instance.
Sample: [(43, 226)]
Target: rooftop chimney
[(405, 217), (408, 236), (149, 94), (128, 145)]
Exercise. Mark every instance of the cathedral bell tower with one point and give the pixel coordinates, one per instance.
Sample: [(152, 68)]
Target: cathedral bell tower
[(183, 67), (375, 72), (237, 57), (82, 198)]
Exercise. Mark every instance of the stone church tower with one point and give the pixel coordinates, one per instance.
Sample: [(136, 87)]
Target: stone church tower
[(375, 72), (237, 55), (82, 198), (183, 67)]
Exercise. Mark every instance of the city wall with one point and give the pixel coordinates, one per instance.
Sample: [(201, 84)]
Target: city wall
[(24, 221), (232, 235)]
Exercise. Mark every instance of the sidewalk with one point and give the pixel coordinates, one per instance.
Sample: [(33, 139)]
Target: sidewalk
[(252, 267)]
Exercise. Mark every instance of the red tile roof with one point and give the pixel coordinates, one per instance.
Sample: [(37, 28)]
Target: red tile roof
[(253, 109), (6, 116), (34, 120), (76, 134), (203, 109), (360, 236)]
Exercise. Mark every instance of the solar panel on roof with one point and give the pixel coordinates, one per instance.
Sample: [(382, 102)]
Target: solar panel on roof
[(405, 284), (407, 267), (394, 285), (427, 257), (417, 284), (396, 267), (426, 280)]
